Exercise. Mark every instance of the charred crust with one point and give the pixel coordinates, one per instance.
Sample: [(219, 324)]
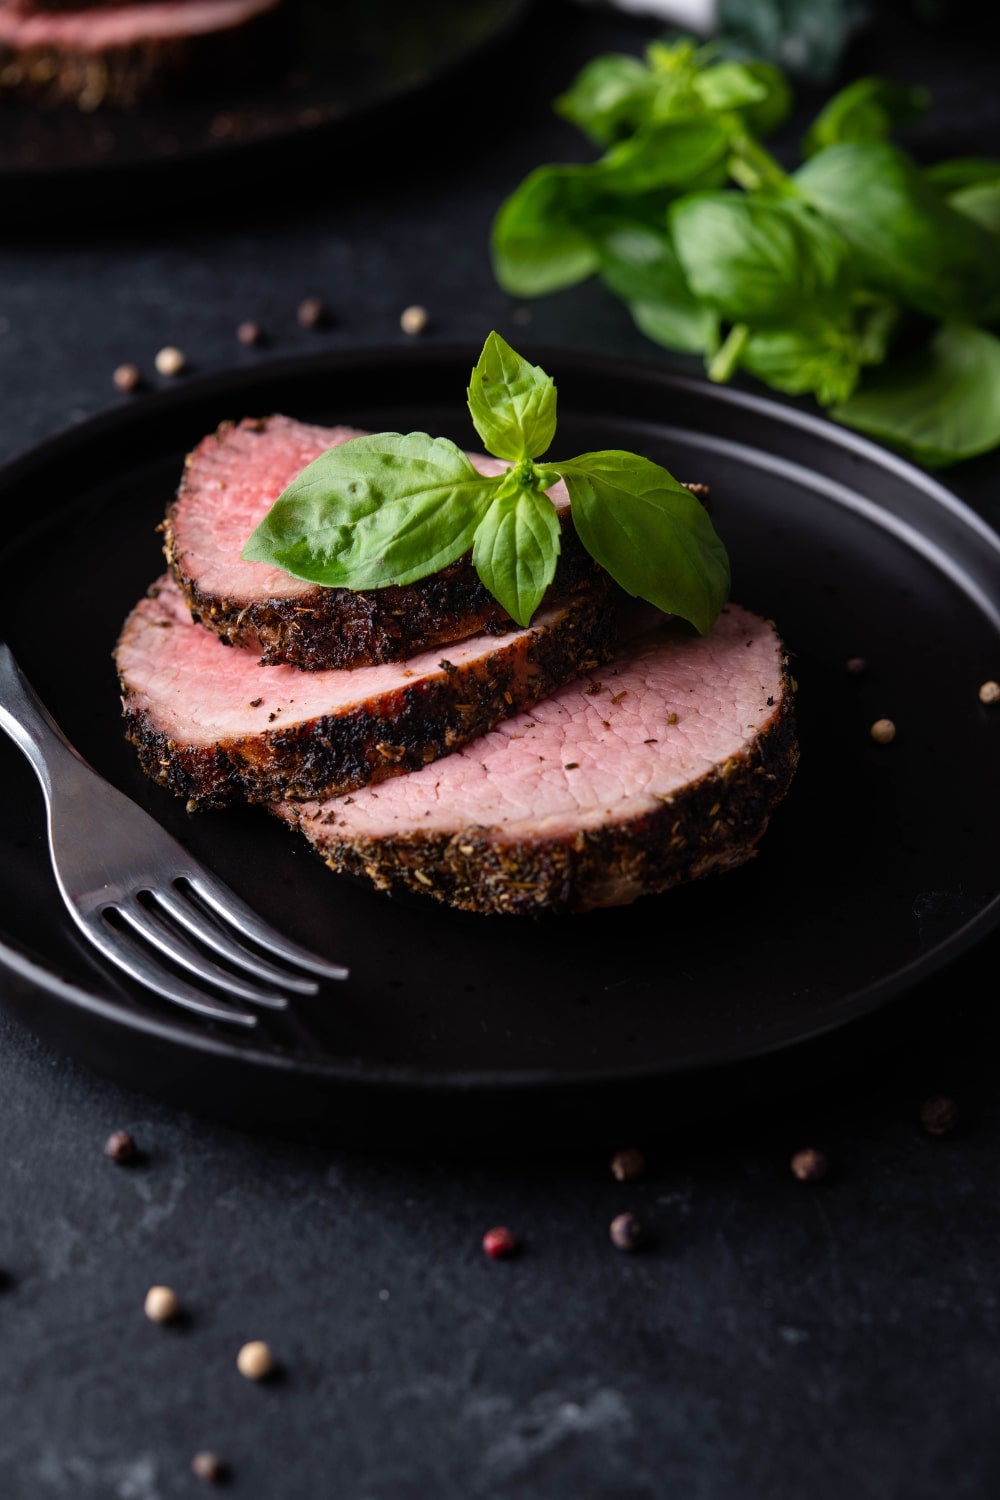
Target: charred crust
[(406, 729), (712, 824)]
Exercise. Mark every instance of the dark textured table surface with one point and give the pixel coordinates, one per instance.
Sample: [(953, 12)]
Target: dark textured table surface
[(776, 1340)]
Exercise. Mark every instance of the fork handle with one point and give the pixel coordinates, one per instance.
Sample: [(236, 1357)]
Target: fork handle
[(30, 725)]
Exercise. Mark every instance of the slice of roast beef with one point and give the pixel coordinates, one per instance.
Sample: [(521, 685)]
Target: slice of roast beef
[(230, 482), (211, 723), (660, 768), (116, 54)]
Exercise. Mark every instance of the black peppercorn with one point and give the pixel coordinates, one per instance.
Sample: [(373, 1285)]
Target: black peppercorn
[(939, 1115), (120, 1146), (627, 1165)]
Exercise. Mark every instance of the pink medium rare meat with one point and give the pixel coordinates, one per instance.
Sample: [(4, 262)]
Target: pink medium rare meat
[(212, 724), (119, 53), (661, 768), (230, 482), (95, 28)]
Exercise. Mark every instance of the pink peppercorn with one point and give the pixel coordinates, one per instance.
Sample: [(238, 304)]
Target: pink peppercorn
[(499, 1243)]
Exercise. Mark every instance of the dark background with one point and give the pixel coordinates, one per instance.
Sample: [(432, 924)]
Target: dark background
[(776, 1339)]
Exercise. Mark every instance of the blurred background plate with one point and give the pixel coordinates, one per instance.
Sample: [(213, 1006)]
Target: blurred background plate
[(878, 871), (341, 64)]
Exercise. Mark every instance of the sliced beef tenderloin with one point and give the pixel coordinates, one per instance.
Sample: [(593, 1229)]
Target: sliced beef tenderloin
[(660, 768), (117, 54), (230, 482), (211, 723)]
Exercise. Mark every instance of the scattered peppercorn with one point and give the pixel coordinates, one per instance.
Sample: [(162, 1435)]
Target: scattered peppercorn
[(170, 361), (161, 1305), (255, 1360), (627, 1165), (120, 1146), (857, 666), (500, 1243), (990, 692), (627, 1232), (809, 1165), (209, 1466), (883, 731), (248, 334), (312, 313), (127, 378), (939, 1115), (413, 319)]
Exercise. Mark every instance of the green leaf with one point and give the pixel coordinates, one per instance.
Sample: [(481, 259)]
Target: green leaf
[(801, 361), (672, 155), (823, 358), (390, 508), (759, 260), (729, 85), (540, 243), (866, 110), (649, 533), (516, 548), (610, 98), (905, 237), (938, 407), (640, 265), (543, 234), (979, 201), (773, 109), (962, 171), (513, 403)]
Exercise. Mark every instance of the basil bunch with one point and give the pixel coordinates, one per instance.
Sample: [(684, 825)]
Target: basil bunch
[(807, 280), (395, 507)]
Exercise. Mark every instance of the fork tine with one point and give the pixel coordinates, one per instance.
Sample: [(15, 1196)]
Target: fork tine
[(228, 906), (174, 945), (126, 954), (202, 924)]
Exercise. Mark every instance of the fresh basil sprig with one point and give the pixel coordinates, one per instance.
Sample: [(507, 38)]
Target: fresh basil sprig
[(395, 507), (808, 279)]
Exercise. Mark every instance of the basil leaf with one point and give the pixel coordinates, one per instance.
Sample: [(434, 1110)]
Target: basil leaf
[(773, 109), (542, 237), (938, 407), (672, 155), (729, 85), (390, 508), (905, 237), (759, 260), (516, 548), (816, 361), (539, 241), (649, 533), (609, 99), (640, 265), (822, 358), (962, 171), (865, 110), (513, 404), (979, 201)]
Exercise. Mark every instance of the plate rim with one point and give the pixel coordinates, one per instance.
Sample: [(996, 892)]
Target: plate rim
[(341, 1071)]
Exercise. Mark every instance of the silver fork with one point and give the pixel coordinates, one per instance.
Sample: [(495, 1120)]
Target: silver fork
[(136, 893)]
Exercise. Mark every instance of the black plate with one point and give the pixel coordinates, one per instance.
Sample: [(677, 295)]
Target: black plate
[(880, 867), (337, 64)]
